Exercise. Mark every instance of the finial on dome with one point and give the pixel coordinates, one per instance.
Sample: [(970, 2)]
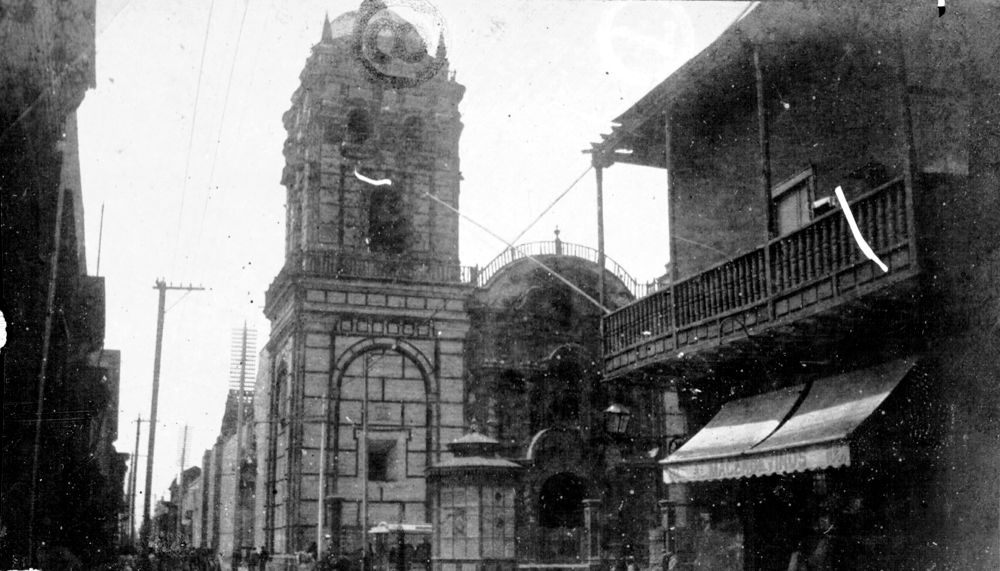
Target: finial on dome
[(327, 30)]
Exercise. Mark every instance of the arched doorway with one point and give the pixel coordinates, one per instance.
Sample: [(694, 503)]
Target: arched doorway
[(560, 517)]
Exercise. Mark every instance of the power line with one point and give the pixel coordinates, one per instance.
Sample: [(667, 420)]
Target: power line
[(190, 146), (550, 206), (554, 273), (222, 121)]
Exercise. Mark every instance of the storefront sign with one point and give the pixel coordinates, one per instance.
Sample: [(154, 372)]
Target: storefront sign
[(796, 460)]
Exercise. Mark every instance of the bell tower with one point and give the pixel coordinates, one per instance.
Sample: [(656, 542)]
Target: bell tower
[(348, 128), (365, 372)]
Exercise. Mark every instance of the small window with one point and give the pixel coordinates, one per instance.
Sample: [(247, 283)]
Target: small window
[(359, 127), (380, 460), (792, 202)]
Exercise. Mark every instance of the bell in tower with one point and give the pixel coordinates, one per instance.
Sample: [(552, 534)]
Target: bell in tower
[(364, 377)]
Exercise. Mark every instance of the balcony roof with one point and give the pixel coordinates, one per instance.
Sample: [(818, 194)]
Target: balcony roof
[(716, 75)]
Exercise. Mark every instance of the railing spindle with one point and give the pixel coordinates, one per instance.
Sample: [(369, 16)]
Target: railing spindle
[(820, 250)]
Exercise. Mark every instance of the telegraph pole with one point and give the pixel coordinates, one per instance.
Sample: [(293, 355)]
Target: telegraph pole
[(238, 470), (43, 370), (180, 487), (162, 286), (132, 481), (363, 461)]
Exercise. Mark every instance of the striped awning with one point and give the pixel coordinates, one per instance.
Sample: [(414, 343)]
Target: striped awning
[(812, 433)]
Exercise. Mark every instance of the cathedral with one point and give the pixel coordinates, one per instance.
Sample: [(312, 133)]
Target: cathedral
[(384, 349)]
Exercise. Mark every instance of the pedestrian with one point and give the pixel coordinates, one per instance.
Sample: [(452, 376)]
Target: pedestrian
[(253, 560), (263, 559)]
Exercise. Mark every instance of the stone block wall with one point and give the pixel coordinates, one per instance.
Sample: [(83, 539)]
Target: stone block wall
[(411, 338)]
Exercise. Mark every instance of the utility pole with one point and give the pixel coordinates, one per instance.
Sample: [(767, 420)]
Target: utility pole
[(238, 469), (43, 371), (180, 487), (365, 563), (132, 481), (162, 286)]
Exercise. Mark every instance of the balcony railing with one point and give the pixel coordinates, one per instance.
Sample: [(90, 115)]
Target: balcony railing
[(343, 266), (815, 264), (560, 248)]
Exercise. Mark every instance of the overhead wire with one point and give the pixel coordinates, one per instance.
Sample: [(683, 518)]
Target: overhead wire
[(554, 202), (180, 299), (222, 119), (190, 145), (555, 274), (240, 123)]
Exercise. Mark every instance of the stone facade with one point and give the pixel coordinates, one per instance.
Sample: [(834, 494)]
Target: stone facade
[(215, 500), (535, 386), (370, 295)]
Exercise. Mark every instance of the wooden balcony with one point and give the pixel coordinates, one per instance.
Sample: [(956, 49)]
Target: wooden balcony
[(813, 273)]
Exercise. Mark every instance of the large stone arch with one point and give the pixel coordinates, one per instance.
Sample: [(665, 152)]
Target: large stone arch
[(427, 372), (369, 345)]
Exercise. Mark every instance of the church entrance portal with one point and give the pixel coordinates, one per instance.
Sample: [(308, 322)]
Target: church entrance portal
[(560, 517)]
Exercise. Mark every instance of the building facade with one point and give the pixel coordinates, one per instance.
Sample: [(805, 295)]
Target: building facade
[(369, 306), (219, 508), (377, 330), (833, 412), (777, 397), (535, 386), (60, 388)]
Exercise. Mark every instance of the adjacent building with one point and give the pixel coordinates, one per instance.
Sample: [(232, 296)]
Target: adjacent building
[(61, 491), (823, 406), (221, 513)]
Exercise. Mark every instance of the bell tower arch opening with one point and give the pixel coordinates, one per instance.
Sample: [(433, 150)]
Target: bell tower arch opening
[(388, 225), (359, 127)]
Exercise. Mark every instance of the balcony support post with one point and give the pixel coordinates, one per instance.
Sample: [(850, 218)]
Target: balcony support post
[(672, 251), (599, 171), (910, 158), (764, 138)]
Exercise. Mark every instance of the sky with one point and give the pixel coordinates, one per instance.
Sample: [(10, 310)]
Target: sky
[(181, 147)]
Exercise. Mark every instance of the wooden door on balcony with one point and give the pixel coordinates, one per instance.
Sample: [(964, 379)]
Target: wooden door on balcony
[(792, 201)]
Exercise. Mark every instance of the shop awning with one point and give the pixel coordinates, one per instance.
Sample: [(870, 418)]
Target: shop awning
[(815, 436), (739, 426)]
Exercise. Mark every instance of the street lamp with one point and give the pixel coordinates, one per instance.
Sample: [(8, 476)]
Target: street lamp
[(617, 418)]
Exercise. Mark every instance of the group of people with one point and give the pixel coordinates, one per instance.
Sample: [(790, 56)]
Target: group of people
[(255, 560), (194, 559)]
